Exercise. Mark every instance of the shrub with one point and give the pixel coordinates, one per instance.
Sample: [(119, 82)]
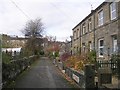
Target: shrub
[(64, 56), (79, 65), (78, 61), (92, 56), (6, 57)]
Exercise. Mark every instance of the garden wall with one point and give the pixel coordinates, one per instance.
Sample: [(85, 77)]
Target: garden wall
[(81, 78), (14, 68)]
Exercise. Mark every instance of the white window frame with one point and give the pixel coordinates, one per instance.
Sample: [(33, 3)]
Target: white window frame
[(89, 25), (74, 34), (100, 47), (115, 47), (83, 47), (113, 11), (100, 18), (84, 29), (78, 33), (90, 46)]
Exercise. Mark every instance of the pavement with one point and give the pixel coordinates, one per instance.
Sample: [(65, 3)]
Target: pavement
[(114, 85), (43, 74), (114, 80)]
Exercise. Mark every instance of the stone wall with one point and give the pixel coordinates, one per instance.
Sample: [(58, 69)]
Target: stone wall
[(107, 31)]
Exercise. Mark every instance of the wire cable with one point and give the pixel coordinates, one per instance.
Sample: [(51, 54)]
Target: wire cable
[(20, 10), (68, 16)]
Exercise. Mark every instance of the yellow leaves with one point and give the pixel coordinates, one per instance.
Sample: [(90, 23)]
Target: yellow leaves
[(77, 61), (79, 65)]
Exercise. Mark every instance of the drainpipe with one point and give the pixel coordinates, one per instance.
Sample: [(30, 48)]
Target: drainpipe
[(71, 45), (118, 42), (94, 39), (94, 32), (0, 61), (80, 39)]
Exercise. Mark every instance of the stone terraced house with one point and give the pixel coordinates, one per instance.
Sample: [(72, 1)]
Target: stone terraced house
[(99, 31)]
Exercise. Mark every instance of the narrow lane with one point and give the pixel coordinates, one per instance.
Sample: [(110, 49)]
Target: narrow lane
[(43, 74)]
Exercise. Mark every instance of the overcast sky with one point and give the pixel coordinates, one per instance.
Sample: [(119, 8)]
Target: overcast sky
[(58, 16)]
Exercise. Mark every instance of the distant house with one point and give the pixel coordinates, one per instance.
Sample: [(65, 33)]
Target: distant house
[(99, 31), (12, 50), (17, 42), (13, 42)]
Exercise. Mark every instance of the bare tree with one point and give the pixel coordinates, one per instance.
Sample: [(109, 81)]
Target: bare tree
[(34, 32), (33, 28)]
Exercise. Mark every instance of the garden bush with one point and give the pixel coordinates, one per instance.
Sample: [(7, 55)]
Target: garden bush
[(78, 61)]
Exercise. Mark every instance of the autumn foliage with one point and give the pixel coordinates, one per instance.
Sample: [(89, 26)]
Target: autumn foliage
[(53, 50), (64, 56), (54, 47), (77, 61)]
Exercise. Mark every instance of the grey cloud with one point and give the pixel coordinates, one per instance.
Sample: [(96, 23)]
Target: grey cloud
[(58, 16)]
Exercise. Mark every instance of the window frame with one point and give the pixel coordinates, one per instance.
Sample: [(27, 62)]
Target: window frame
[(100, 18), (83, 47), (113, 10), (83, 29), (90, 26), (101, 47), (90, 45), (74, 35), (114, 43), (78, 33)]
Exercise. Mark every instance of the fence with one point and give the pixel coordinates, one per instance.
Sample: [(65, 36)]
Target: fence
[(111, 64), (83, 78), (14, 68), (78, 77)]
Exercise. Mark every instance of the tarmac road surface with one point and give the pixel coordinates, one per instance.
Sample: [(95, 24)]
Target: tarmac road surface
[(43, 74)]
